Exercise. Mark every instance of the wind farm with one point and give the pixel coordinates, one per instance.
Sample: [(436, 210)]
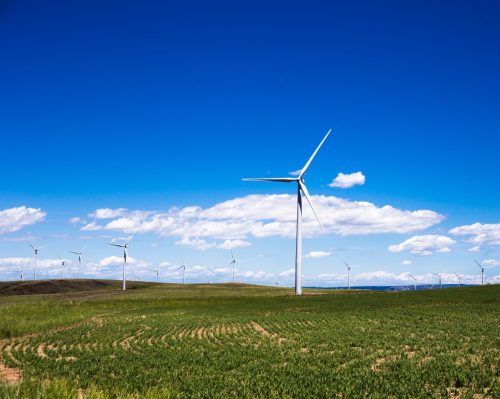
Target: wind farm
[(249, 200)]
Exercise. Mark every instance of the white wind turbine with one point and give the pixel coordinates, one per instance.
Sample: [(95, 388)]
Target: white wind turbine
[(35, 251), (482, 270), (301, 189), (80, 255), (233, 262), (125, 254), (183, 267), (440, 279), (21, 272), (459, 278), (414, 281), (348, 275), (63, 262), (158, 274)]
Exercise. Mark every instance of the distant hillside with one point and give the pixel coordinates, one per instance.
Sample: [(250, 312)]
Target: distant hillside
[(63, 286)]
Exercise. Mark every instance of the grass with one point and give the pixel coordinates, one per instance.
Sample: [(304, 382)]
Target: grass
[(211, 341)]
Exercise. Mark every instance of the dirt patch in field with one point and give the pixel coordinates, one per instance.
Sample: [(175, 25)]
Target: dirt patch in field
[(260, 329), (9, 374)]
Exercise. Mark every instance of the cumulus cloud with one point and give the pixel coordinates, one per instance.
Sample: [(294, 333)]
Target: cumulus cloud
[(295, 172), (317, 254), (490, 262), (14, 219), (406, 262), (479, 234), (75, 220), (424, 245), (475, 248), (107, 213), (231, 223), (348, 180)]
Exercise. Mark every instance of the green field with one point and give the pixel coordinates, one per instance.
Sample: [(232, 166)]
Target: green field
[(162, 340)]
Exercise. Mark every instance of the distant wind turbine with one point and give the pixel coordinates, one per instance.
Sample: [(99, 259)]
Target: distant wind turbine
[(459, 278), (183, 267), (301, 189), (21, 272), (482, 271), (125, 254), (80, 255), (348, 275), (233, 262), (63, 262), (414, 281), (35, 251), (158, 274), (440, 280)]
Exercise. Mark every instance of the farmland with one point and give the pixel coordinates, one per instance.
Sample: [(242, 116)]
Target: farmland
[(163, 340)]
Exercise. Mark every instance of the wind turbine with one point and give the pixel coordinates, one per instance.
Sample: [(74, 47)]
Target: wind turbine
[(482, 271), (440, 280), (183, 267), (22, 277), (459, 278), (233, 262), (125, 247), (35, 250), (158, 274), (63, 262), (80, 254), (301, 189), (348, 275), (414, 281)]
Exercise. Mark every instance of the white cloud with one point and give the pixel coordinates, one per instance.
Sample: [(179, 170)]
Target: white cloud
[(287, 273), (424, 245), (317, 254), (13, 219), (295, 172), (480, 234), (348, 180), (107, 213), (91, 227), (406, 262), (229, 224), (76, 220), (475, 248), (491, 262)]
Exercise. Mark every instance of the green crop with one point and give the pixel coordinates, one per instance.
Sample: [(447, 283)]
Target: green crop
[(219, 341)]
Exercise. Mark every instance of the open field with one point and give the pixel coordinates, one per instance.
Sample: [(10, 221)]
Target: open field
[(162, 340)]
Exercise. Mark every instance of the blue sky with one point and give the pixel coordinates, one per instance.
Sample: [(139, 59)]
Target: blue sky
[(159, 107)]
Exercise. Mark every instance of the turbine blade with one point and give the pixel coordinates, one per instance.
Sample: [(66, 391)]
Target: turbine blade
[(31, 245), (479, 264), (306, 166), (115, 245), (73, 252), (306, 194), (130, 239), (275, 179)]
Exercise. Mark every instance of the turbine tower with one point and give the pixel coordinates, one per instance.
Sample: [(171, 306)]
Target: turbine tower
[(414, 281), (183, 267), (125, 254), (440, 280), (348, 275), (21, 272), (158, 274), (80, 255), (233, 262), (482, 271), (459, 278), (301, 189), (35, 251), (63, 262)]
